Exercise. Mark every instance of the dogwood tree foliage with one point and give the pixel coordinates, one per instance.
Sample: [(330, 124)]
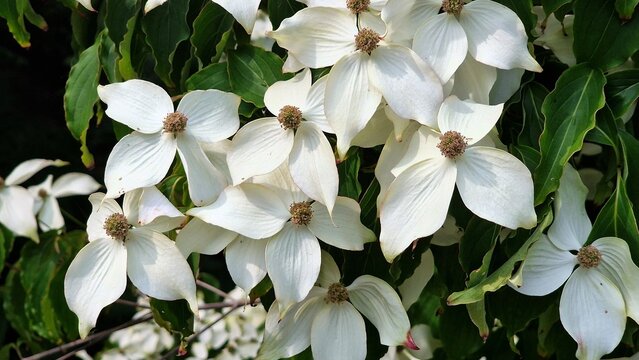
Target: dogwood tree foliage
[(388, 178)]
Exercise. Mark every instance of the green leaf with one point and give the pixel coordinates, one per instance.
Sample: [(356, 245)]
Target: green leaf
[(260, 289), (479, 238), (213, 76), (570, 113), (81, 91), (601, 38), (279, 10), (617, 219), (6, 243), (13, 296), (368, 204), (626, 8), (622, 90), (209, 29), (458, 333), (174, 316), (501, 276), (126, 49), (605, 131), (532, 98), (348, 171), (630, 148), (13, 12), (165, 28), (529, 156), (550, 6), (523, 9), (477, 314), (109, 57), (252, 70), (33, 17), (516, 310), (118, 13)]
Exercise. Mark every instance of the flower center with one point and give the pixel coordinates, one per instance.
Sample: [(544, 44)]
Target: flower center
[(301, 213), (452, 144), (116, 226), (589, 257), (453, 7), (175, 122), (336, 294), (366, 40), (357, 6), (42, 193), (290, 117)]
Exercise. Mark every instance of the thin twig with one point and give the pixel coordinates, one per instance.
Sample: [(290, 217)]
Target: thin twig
[(131, 303), (82, 344), (223, 304), (211, 288), (73, 219)]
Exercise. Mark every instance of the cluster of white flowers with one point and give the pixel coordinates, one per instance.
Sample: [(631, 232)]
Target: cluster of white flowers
[(427, 79)]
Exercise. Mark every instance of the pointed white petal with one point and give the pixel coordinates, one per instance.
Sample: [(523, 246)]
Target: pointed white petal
[(245, 11), (592, 312), (74, 184), (293, 258), (281, 182), (102, 208), (27, 169), (329, 271), (245, 259), (36, 190), (376, 131), (291, 65), (416, 204), (138, 160), (404, 78), (291, 92), (95, 279), (261, 28), (138, 104), (616, 264), (16, 212), (200, 237), (248, 209), (381, 305), (314, 110), (157, 268), (50, 216), (290, 335), (338, 332), (212, 114), (312, 165), (545, 269), (571, 227), (350, 99), (87, 4), (318, 37), (392, 152), (442, 43), (403, 18), (156, 212), (496, 36), (344, 230), (506, 85), (496, 186), (474, 81), (152, 4), (422, 146), (472, 120), (216, 152), (412, 287), (258, 148), (205, 181)]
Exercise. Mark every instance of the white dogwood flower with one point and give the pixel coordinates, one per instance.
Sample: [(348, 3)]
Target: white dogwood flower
[(294, 136), (280, 227), (142, 158), (601, 292), (17, 203), (491, 32), (367, 66), (493, 184), (47, 193), (122, 241), (329, 319)]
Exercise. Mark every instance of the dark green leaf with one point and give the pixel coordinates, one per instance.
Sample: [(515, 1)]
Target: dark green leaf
[(108, 58), (348, 171), (630, 148), (516, 310), (6, 243), (368, 204), (126, 49), (622, 90), (279, 10), (213, 76), (570, 113), (550, 6), (13, 12), (478, 239), (532, 98), (118, 14), (165, 28), (252, 70), (458, 333), (209, 29), (626, 8), (175, 316), (605, 131), (260, 289), (529, 156), (601, 38)]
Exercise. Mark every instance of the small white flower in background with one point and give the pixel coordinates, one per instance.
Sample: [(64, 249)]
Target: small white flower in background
[(88, 6), (47, 193), (143, 157), (17, 203), (279, 228), (367, 66), (601, 292), (493, 184), (127, 241), (555, 35), (412, 287), (423, 338), (295, 136), (329, 319)]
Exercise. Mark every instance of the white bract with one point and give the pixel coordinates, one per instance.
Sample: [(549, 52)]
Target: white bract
[(47, 193), (367, 66), (280, 227), (492, 183), (16, 203), (142, 158), (329, 319), (294, 136), (601, 292), (127, 241), (489, 31)]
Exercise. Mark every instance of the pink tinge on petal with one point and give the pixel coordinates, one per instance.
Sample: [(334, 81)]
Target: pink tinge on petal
[(410, 343)]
